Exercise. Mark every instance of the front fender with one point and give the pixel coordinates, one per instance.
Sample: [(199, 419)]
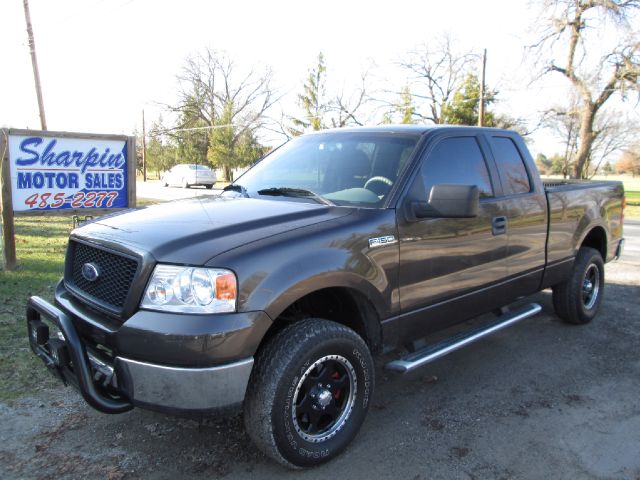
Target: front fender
[(312, 271), (275, 272)]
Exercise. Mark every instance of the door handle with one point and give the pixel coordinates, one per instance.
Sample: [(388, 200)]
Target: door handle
[(499, 225)]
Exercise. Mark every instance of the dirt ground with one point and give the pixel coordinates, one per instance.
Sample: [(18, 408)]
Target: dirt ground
[(539, 400)]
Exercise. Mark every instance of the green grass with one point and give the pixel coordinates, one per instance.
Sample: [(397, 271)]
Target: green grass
[(633, 198), (41, 243), (632, 212)]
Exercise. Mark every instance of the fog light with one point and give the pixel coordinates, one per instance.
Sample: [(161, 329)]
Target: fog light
[(39, 332)]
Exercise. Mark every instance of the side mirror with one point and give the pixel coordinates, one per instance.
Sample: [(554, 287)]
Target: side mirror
[(449, 201)]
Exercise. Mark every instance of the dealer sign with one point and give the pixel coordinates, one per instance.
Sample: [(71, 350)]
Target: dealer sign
[(67, 172)]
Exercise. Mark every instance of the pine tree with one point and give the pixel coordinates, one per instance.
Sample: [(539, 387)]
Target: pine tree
[(312, 101)]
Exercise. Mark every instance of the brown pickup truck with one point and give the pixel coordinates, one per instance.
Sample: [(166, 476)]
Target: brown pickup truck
[(275, 295)]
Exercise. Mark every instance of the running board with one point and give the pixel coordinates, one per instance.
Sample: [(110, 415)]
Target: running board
[(440, 349)]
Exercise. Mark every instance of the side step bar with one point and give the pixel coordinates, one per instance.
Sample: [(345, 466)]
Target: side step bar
[(440, 349)]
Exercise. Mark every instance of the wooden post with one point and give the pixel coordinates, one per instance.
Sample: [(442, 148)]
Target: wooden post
[(8, 227), (34, 64), (481, 110), (131, 171)]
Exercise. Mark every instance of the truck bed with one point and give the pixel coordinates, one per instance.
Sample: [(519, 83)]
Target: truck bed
[(575, 207), (559, 184)]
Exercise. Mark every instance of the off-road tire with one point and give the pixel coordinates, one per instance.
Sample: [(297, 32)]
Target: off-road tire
[(569, 299), (270, 409)]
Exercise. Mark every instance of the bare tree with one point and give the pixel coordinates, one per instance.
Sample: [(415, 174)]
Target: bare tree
[(220, 108), (614, 132), (564, 122), (629, 162), (209, 82), (617, 71), (347, 109), (436, 71)]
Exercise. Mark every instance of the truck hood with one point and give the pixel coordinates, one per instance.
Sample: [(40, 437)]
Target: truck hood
[(194, 231)]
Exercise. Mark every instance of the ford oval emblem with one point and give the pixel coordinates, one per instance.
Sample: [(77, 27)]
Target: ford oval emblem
[(90, 272)]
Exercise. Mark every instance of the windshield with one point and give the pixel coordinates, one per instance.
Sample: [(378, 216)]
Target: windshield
[(199, 167), (345, 168)]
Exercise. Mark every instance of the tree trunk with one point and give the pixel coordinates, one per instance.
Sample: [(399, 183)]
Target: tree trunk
[(227, 173), (587, 116)]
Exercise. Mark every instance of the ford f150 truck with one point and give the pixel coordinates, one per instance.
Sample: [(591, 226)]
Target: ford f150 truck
[(274, 295)]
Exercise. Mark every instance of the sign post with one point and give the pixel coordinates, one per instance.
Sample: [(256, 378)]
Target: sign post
[(8, 228), (54, 173)]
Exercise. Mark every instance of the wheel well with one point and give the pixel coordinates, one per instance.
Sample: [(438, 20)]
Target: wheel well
[(596, 238), (342, 305)]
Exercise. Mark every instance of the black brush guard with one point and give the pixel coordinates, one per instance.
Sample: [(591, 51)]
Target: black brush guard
[(77, 370)]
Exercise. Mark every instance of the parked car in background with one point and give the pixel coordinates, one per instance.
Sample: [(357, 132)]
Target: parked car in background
[(187, 175)]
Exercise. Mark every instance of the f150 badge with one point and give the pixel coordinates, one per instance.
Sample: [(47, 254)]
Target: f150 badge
[(380, 241)]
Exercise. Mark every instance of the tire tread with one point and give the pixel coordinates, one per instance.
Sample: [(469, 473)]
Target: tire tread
[(276, 354), (566, 294)]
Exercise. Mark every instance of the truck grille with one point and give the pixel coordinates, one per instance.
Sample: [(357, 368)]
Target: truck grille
[(115, 275)]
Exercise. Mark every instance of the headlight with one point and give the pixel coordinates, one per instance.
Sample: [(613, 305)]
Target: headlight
[(191, 290)]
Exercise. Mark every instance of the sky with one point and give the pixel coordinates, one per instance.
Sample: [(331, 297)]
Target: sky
[(103, 61)]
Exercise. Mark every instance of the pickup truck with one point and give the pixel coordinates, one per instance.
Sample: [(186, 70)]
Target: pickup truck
[(275, 295)]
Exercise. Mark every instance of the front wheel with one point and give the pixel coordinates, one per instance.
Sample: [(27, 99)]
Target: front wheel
[(185, 184), (309, 392), (577, 299)]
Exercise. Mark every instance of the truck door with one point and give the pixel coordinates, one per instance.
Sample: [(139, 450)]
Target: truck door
[(442, 260), (525, 207)]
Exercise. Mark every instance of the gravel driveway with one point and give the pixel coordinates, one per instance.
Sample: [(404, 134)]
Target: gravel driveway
[(541, 399)]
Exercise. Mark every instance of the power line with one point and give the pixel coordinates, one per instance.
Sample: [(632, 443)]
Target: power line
[(173, 130)]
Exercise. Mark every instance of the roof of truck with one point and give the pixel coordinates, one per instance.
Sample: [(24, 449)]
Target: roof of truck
[(415, 129)]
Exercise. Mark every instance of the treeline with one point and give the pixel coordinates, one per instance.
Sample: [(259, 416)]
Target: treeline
[(223, 109)]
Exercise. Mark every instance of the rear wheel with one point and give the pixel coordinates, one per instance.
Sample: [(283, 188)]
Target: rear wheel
[(577, 299), (309, 392), (209, 186), (185, 184)]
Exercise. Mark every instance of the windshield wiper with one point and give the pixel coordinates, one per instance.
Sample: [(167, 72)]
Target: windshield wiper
[(234, 187), (294, 192)]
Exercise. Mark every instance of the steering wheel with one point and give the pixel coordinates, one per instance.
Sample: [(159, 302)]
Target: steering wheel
[(379, 179)]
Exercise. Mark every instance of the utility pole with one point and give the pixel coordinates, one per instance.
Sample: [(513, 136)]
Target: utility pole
[(34, 63), (481, 110), (144, 150)]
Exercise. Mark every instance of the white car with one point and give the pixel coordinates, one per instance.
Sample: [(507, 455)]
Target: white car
[(187, 175)]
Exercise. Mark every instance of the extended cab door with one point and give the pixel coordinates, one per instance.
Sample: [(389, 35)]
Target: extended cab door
[(525, 207), (444, 259)]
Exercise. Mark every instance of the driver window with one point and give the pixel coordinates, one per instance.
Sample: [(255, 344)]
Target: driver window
[(457, 161)]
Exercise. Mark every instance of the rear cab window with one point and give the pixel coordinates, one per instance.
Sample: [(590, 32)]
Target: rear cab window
[(513, 173)]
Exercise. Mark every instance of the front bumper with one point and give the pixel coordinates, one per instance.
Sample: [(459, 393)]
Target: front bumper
[(184, 389), (115, 383)]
